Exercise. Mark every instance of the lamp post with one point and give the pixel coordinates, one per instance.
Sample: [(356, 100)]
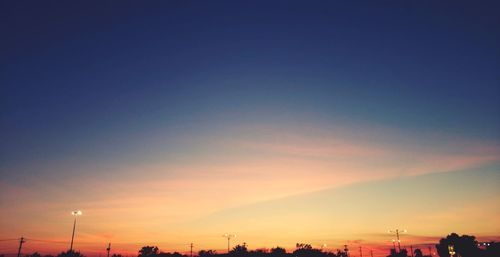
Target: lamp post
[(76, 214), (397, 232), (228, 236), (451, 250), (108, 249)]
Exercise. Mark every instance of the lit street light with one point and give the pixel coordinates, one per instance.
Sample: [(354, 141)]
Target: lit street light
[(228, 236), (397, 232), (76, 214), (451, 250)]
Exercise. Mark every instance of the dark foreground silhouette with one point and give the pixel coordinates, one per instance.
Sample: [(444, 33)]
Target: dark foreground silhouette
[(463, 246)]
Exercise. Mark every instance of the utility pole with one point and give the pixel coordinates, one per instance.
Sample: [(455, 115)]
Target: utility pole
[(191, 245), (21, 242), (411, 249), (109, 248), (371, 253), (430, 250), (346, 250), (360, 252)]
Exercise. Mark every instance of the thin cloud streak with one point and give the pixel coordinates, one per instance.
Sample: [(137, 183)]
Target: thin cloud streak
[(147, 200)]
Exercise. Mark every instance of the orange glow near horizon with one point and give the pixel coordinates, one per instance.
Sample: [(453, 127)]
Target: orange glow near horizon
[(271, 186)]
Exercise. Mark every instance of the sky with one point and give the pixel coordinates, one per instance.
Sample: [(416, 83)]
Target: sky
[(321, 122)]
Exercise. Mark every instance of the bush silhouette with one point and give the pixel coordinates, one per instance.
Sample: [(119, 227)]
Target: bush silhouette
[(465, 246), (70, 253)]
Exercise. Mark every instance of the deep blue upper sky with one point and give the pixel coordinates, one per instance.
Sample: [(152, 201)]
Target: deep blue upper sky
[(73, 73)]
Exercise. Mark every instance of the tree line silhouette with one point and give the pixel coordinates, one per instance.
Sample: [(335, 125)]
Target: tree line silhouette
[(464, 246)]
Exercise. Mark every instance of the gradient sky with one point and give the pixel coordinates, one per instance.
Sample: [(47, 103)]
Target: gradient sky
[(171, 122)]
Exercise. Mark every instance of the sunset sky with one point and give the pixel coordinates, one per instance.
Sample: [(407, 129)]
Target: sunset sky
[(320, 122)]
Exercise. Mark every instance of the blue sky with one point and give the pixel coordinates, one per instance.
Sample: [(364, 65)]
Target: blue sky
[(76, 71)]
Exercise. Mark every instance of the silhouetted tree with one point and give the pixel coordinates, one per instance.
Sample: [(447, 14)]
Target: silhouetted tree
[(239, 250), (306, 250), (177, 254), (207, 253), (70, 253), (492, 250), (278, 251), (174, 254), (116, 255), (340, 253), (465, 246), (301, 246), (402, 253), (418, 253), (148, 251), (35, 254), (330, 254), (259, 253)]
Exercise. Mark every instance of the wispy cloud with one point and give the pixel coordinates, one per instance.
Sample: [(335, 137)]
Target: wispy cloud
[(149, 199)]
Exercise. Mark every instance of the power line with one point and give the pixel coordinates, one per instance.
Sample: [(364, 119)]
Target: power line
[(7, 248), (47, 241)]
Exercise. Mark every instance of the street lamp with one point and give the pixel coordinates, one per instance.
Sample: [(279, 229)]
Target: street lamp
[(397, 232), (451, 250), (228, 236), (76, 214)]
